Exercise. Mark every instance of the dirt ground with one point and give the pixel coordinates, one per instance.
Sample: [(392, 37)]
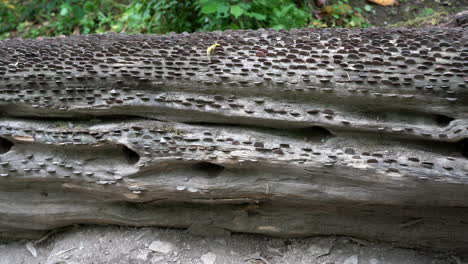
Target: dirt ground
[(122, 245), (382, 16)]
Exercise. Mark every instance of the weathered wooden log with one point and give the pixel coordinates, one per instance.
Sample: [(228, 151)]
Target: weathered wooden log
[(289, 133)]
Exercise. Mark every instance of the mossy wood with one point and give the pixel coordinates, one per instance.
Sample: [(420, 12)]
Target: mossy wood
[(284, 133)]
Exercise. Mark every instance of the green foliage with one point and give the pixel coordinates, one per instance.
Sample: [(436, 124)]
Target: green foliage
[(341, 14), (431, 20), (158, 16), (33, 18), (238, 14), (427, 12), (55, 17)]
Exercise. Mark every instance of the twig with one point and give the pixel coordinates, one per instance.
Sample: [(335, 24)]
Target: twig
[(65, 251), (264, 260), (259, 258), (45, 237)]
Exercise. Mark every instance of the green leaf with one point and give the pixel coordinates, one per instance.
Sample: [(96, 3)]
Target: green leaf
[(257, 16), (209, 7), (237, 11), (234, 26), (278, 27), (223, 8), (368, 8), (90, 6), (427, 12), (78, 11), (245, 5), (64, 9)]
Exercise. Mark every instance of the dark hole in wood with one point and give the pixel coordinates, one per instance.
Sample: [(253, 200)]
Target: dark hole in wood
[(211, 169), (131, 156), (443, 120), (314, 133), (463, 146), (5, 145)]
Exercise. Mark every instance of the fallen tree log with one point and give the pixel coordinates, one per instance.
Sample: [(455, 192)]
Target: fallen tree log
[(288, 133)]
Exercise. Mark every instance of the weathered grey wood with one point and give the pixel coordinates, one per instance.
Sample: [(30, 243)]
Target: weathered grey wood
[(287, 133)]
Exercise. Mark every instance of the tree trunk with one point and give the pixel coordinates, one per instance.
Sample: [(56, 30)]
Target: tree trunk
[(286, 133)]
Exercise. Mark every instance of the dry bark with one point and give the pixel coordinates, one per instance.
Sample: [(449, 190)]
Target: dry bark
[(289, 133)]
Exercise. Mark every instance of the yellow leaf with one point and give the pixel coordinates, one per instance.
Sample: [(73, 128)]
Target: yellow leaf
[(211, 49), (384, 2)]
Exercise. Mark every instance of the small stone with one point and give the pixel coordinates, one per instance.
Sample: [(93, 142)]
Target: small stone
[(30, 247), (208, 258), (156, 259), (143, 254), (161, 246), (321, 247), (352, 260)]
